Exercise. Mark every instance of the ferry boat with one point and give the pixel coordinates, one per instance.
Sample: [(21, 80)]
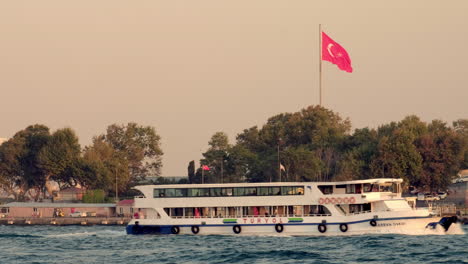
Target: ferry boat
[(289, 208)]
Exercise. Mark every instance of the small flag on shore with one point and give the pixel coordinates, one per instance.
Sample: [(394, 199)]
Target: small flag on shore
[(206, 168), (335, 53)]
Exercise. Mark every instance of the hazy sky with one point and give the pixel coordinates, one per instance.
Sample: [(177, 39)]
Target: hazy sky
[(192, 68)]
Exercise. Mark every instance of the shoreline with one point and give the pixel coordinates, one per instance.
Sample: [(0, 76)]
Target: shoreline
[(65, 221)]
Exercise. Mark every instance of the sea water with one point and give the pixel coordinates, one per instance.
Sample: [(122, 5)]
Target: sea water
[(110, 244)]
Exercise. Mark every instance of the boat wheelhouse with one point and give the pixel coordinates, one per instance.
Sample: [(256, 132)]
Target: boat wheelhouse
[(293, 208)]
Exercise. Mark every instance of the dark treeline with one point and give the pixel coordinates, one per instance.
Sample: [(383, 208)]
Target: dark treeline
[(34, 158), (316, 144)]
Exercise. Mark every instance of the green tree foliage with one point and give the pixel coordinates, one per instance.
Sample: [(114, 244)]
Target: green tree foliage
[(315, 144), (359, 150), (191, 172), (58, 155), (94, 196), (20, 171), (103, 167), (11, 171), (215, 158), (308, 144), (461, 128), (139, 146), (442, 150), (397, 157)]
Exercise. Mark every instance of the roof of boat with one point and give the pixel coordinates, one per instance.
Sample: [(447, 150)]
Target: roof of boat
[(266, 184)]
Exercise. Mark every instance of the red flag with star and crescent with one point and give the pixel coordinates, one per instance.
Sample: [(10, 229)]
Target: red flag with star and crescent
[(335, 53)]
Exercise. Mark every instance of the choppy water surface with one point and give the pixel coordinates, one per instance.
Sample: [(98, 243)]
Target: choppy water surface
[(106, 244)]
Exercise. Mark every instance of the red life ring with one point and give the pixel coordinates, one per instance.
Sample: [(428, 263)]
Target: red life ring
[(352, 200), (327, 200), (333, 200), (339, 200), (321, 201), (346, 200)]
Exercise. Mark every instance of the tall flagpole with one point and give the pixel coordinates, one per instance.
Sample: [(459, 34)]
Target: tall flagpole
[(320, 63)]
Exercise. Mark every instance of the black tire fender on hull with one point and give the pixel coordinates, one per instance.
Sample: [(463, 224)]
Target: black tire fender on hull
[(237, 229), (322, 228), (279, 228), (373, 222), (195, 229), (175, 230), (343, 227)]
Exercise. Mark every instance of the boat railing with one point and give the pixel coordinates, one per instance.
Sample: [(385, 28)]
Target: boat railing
[(252, 216)]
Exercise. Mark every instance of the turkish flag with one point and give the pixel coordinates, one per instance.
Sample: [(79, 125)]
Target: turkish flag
[(334, 53)]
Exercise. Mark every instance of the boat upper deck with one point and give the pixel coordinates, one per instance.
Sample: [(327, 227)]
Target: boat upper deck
[(270, 193)]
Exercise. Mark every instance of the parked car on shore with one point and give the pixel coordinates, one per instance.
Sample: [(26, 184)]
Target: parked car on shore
[(78, 214), (430, 197), (442, 195)]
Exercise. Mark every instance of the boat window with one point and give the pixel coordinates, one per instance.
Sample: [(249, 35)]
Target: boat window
[(158, 193), (299, 190), (177, 212), (231, 211), (351, 188), (340, 186), (227, 191), (189, 212), (289, 190), (239, 191), (250, 191), (205, 192), (316, 210), (298, 210), (180, 192), (359, 208), (275, 190), (263, 191), (216, 192), (367, 187), (230, 191), (323, 210), (326, 189), (193, 192), (170, 192)]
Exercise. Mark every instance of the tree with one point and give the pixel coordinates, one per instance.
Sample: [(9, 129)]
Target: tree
[(301, 164), (442, 153), (140, 146), (19, 158), (461, 128), (191, 172), (359, 150), (11, 173), (397, 157), (313, 132), (102, 166), (60, 153), (215, 157)]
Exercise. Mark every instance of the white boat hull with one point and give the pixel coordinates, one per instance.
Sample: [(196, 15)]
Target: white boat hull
[(283, 226)]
